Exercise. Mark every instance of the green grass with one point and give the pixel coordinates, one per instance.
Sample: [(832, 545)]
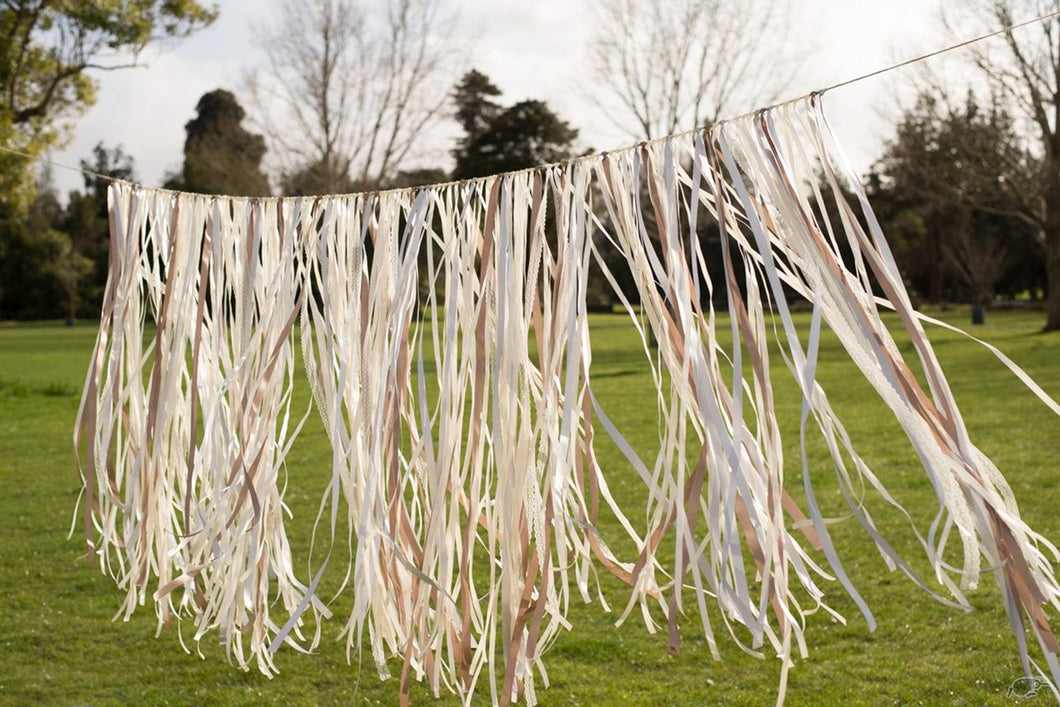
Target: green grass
[(59, 646)]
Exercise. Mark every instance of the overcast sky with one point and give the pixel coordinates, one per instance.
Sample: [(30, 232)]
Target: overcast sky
[(529, 48)]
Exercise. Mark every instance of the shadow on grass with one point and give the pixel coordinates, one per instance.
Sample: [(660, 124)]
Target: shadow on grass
[(50, 389)]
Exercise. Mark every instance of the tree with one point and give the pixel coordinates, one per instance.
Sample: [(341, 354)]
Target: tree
[(677, 64), (1025, 69), (523, 135), (661, 66), (53, 260), (422, 176), (475, 107), (498, 139), (28, 287), (220, 155), (946, 186), (505, 139), (86, 221), (49, 48), (318, 177), (347, 94)]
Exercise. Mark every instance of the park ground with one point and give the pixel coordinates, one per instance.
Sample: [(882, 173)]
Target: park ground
[(58, 645)]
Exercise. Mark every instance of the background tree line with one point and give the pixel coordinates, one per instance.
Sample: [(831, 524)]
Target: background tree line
[(950, 191), (968, 190)]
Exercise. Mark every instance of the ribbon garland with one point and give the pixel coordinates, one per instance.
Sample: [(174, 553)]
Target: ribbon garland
[(473, 510)]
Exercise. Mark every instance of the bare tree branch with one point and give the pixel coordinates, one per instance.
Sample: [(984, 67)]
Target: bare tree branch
[(348, 90), (672, 64)]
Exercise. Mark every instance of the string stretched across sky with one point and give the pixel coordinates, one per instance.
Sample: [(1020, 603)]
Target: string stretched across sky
[(445, 338)]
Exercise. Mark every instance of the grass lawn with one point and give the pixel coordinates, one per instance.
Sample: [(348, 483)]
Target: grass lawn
[(59, 646)]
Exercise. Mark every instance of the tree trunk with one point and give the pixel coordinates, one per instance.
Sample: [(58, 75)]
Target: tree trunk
[(936, 287), (1052, 253), (71, 308), (1052, 275)]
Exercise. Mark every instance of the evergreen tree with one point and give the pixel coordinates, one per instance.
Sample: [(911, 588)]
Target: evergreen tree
[(474, 107), (500, 139), (53, 261), (220, 155)]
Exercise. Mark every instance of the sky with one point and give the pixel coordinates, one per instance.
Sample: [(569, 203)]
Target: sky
[(530, 49)]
